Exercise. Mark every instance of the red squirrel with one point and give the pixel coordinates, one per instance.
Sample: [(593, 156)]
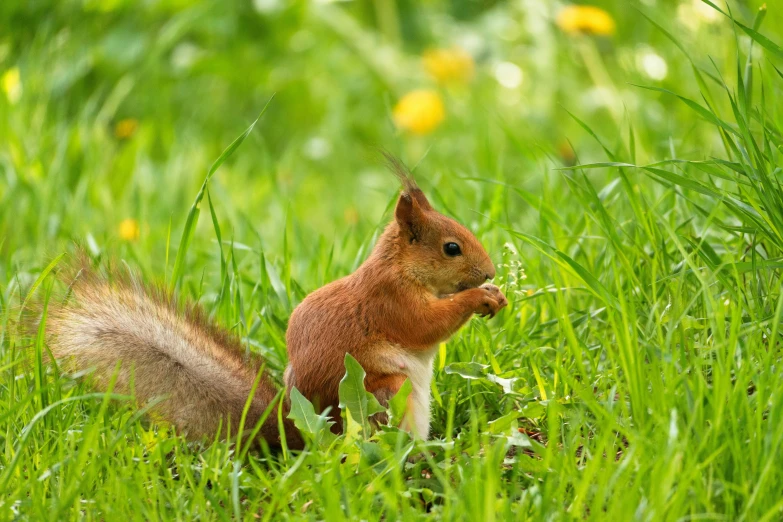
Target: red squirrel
[(424, 279)]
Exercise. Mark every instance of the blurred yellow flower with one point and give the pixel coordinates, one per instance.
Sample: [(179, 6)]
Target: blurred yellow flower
[(129, 229), (126, 128), (449, 65), (566, 153), (585, 19), (419, 111), (12, 84), (351, 216)]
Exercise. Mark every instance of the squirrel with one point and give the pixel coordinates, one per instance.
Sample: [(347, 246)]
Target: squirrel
[(423, 280)]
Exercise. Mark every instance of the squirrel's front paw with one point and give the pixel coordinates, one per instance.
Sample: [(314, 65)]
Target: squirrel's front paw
[(493, 300)]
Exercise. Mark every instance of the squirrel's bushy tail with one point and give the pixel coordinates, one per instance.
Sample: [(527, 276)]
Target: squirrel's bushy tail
[(163, 350)]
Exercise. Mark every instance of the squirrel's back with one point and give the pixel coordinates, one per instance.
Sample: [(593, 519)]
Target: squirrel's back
[(176, 353)]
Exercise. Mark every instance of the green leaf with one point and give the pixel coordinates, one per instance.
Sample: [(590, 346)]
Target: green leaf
[(683, 182), (46, 271), (592, 133), (565, 261), (704, 113), (307, 421), (195, 209), (223, 265), (521, 440), (762, 40), (605, 164), (504, 423), (533, 410), (354, 398), (471, 370), (274, 280), (666, 33), (353, 431), (398, 405)]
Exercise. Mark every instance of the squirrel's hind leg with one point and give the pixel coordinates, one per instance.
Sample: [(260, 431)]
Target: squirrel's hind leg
[(384, 388)]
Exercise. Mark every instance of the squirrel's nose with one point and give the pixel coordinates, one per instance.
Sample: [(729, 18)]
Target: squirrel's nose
[(490, 273)]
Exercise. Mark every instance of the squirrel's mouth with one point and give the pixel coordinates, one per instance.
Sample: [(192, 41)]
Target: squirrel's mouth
[(459, 287), (464, 285)]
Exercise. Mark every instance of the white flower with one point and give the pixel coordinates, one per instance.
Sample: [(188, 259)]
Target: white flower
[(185, 55), (317, 148), (693, 13), (705, 12), (598, 97), (267, 6), (471, 41), (651, 64), (508, 75)]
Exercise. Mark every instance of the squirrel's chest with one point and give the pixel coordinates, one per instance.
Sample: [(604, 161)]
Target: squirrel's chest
[(417, 366)]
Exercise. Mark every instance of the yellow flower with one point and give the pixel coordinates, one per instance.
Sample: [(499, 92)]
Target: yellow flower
[(12, 84), (449, 65), (419, 111), (585, 19), (129, 229), (351, 216), (566, 153), (126, 128)]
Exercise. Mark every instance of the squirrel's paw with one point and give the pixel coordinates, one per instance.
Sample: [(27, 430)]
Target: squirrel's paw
[(493, 301)]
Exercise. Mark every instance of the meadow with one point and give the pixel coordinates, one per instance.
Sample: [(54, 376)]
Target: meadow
[(621, 163)]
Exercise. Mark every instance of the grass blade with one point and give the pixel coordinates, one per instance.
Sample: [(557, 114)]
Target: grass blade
[(195, 209)]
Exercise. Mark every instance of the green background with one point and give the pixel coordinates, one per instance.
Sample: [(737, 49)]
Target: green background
[(636, 371)]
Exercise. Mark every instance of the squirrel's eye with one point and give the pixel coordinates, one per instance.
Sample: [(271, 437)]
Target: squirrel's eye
[(451, 249)]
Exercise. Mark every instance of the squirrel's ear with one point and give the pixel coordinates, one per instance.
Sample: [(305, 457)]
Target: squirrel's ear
[(409, 216), (421, 199)]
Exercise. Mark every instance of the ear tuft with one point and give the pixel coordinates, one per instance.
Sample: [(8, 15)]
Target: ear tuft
[(409, 186), (398, 168)]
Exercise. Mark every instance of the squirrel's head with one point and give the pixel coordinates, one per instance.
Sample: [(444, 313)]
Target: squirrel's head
[(434, 249)]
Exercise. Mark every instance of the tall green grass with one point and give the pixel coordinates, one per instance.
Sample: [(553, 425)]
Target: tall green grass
[(634, 375)]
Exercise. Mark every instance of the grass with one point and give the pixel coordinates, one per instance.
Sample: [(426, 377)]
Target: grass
[(638, 233)]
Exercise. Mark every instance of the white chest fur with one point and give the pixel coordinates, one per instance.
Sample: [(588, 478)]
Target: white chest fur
[(418, 367)]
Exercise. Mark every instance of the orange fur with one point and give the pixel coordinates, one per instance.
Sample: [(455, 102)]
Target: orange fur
[(393, 311), (390, 314)]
